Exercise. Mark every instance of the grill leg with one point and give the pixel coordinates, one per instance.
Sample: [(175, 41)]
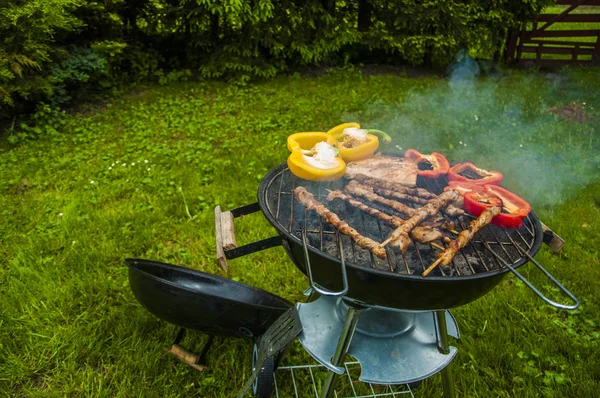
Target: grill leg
[(444, 348), (341, 350)]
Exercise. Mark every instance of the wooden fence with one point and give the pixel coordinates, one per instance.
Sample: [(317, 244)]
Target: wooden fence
[(541, 41)]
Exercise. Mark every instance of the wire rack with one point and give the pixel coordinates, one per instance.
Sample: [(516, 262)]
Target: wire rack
[(304, 381)]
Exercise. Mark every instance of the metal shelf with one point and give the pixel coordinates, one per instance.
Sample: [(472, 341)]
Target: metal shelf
[(288, 383)]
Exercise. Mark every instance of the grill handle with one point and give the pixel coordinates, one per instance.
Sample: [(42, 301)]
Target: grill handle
[(533, 288), (315, 286), (227, 247)]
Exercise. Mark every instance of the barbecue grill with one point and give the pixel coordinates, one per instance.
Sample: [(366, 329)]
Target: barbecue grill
[(367, 307), (384, 313)]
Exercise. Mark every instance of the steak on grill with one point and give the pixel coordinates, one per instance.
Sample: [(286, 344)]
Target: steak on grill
[(391, 169)]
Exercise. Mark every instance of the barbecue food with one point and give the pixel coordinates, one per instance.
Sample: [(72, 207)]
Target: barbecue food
[(430, 166), (366, 192), (400, 236), (398, 195), (393, 186), (423, 234), (426, 234), (464, 237), (468, 172), (453, 209), (314, 157), (392, 169), (353, 137), (308, 200)]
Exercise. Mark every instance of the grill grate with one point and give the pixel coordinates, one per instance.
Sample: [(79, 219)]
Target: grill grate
[(473, 259)]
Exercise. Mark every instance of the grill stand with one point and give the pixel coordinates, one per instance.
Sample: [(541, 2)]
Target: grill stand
[(392, 347), (341, 350), (441, 329)]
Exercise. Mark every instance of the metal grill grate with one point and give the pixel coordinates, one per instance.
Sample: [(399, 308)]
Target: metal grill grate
[(304, 380), (473, 259)]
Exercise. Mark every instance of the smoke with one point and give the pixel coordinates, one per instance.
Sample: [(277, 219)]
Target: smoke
[(499, 122)]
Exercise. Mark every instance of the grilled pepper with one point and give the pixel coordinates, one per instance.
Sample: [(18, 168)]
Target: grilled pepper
[(469, 172), (307, 141), (430, 166), (463, 187), (514, 208), (314, 157), (367, 141)]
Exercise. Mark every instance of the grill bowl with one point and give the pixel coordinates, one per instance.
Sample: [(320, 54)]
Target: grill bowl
[(379, 287)]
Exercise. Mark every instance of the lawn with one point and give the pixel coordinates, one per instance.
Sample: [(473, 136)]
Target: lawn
[(139, 176)]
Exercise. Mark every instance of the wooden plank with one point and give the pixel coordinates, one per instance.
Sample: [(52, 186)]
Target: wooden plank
[(557, 18), (565, 33), (562, 43), (572, 2), (570, 18), (554, 241), (511, 45), (228, 231), (186, 357), (556, 50), (525, 62), (219, 238)]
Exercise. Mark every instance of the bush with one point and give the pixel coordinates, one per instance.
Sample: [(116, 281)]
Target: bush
[(54, 49)]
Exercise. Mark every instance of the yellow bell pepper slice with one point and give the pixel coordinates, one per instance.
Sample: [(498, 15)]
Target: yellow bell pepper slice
[(338, 130), (306, 141), (301, 168), (360, 152)]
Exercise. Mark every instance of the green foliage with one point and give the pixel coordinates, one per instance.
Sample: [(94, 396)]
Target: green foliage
[(53, 50), (30, 30)]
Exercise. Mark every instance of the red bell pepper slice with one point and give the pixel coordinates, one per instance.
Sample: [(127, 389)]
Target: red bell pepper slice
[(483, 176), (463, 187), (511, 202), (438, 162), (477, 202), (514, 208)]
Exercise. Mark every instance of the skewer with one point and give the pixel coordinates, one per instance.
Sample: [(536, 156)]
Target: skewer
[(439, 247), (355, 188), (400, 234), (432, 267), (463, 238), (308, 200)]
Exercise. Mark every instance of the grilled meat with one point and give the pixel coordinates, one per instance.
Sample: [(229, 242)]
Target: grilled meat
[(428, 234), (423, 234), (400, 236), (398, 195), (453, 211), (308, 200), (392, 169), (464, 237), (366, 192), (392, 186)]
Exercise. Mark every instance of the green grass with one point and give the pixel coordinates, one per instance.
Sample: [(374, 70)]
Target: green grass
[(69, 325)]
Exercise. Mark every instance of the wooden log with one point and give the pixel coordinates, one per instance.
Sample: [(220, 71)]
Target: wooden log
[(185, 356), (228, 231), (219, 240)]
